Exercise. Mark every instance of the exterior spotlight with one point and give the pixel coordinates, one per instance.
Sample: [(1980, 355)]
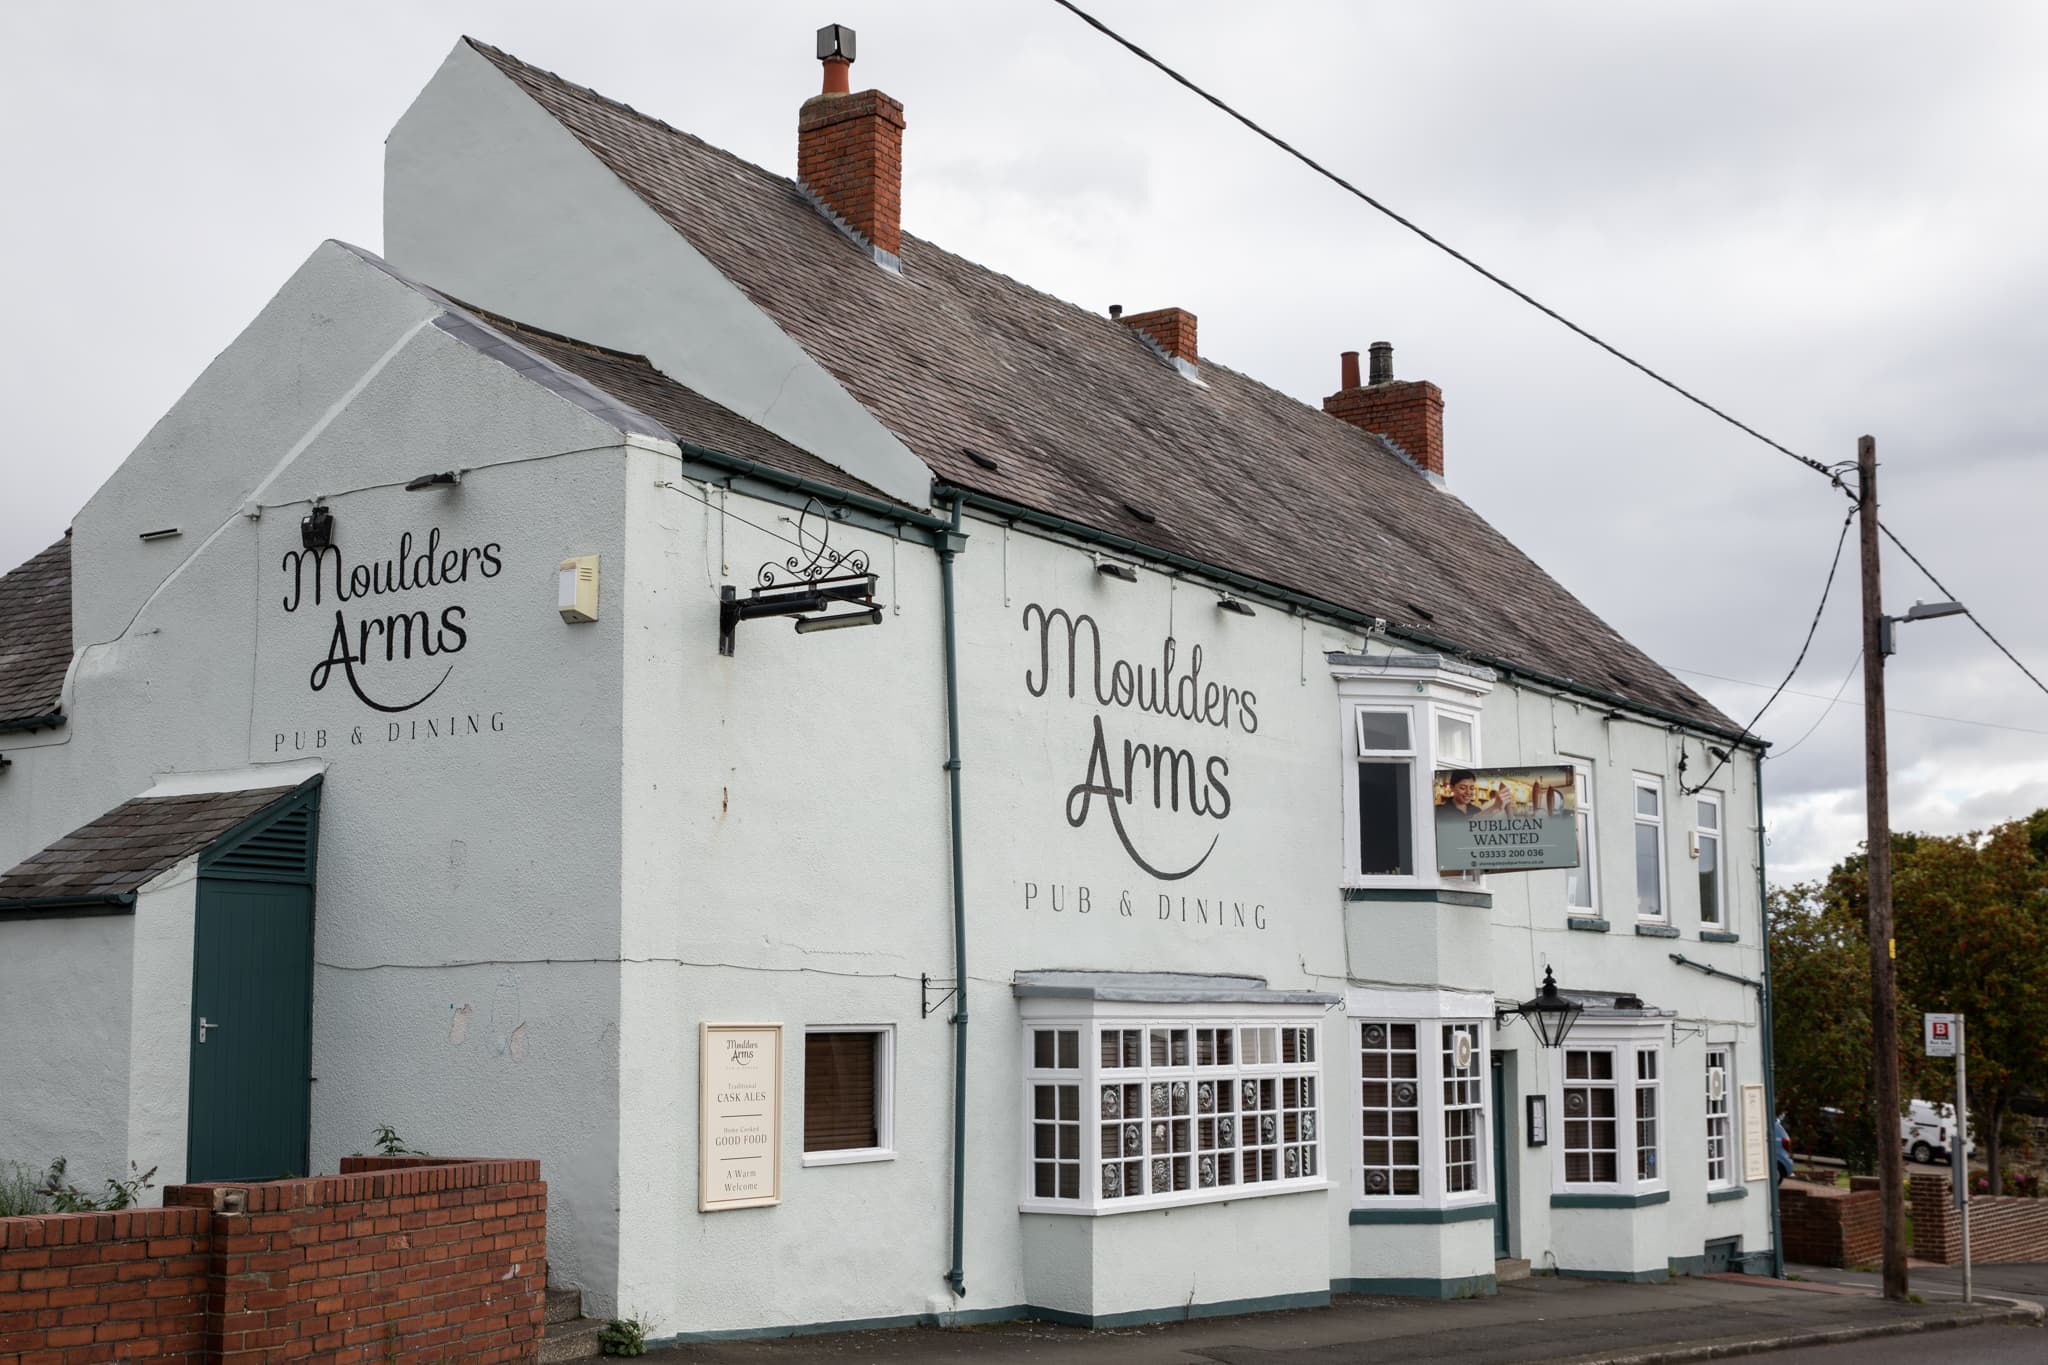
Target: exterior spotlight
[(316, 528), (1233, 606), (445, 479), (870, 617), (1109, 568), (1550, 1014)]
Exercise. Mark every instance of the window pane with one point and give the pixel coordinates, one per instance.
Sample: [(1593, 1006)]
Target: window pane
[(1649, 872), (1710, 815), (1453, 741), (839, 1091), (1649, 801), (1579, 881), (1710, 880), (1383, 730), (1386, 836)]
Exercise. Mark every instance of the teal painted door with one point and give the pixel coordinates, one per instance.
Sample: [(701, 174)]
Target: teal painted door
[(1503, 1117), (251, 1031)]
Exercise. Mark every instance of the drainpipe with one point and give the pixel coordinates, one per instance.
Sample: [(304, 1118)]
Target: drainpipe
[(1764, 994), (948, 543)]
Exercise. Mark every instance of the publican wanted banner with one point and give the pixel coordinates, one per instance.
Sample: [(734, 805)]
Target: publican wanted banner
[(1506, 819)]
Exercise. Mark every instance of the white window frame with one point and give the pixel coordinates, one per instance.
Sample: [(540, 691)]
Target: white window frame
[(1624, 1038), (1719, 1123), (885, 1098), (1650, 782), (1718, 837), (1092, 1018), (1425, 690), (1589, 866), (1431, 1012)]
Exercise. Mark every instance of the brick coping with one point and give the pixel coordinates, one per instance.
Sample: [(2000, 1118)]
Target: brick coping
[(187, 1207)]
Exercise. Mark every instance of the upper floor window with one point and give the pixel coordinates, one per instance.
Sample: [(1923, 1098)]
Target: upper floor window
[(1706, 843), (1405, 718), (1649, 847)]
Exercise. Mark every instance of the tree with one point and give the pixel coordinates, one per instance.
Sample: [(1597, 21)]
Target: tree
[(1820, 1002), (1972, 915)]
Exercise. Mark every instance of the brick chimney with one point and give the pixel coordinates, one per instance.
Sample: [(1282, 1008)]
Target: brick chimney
[(1408, 412), (849, 153), (1172, 330)]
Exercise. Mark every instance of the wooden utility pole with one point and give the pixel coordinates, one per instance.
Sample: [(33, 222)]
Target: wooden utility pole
[(1884, 1001)]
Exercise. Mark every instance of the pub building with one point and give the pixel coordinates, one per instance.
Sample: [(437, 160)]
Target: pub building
[(849, 759)]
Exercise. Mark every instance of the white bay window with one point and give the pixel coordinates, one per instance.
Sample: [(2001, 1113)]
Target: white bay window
[(1405, 718), (1608, 1093), (1422, 1097)]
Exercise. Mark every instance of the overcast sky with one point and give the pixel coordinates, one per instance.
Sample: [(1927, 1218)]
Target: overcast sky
[(1828, 218)]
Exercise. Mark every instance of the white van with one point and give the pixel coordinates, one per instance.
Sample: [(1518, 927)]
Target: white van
[(1927, 1132)]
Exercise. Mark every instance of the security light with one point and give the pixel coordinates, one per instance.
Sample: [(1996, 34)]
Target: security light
[(316, 528), (1233, 606), (870, 617), (1109, 568), (445, 479)]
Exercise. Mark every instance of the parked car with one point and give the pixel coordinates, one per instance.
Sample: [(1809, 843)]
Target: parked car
[(1781, 1150), (1928, 1132)]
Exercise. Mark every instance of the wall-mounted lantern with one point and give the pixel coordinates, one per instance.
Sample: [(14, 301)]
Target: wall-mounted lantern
[(1551, 1014)]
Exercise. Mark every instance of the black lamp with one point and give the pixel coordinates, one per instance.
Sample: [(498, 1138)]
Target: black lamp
[(1550, 1013)]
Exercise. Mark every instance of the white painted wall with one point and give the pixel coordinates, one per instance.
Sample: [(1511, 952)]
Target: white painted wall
[(64, 1009), (492, 200)]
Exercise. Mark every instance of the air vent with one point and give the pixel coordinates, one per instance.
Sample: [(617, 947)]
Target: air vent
[(279, 850), (984, 461), (1423, 612), (1140, 514)]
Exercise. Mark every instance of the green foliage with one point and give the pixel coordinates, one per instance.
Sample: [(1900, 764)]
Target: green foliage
[(1970, 921), (68, 1198), (389, 1143), (20, 1191), (623, 1337)]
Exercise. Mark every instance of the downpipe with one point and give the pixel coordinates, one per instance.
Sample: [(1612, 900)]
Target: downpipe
[(948, 542)]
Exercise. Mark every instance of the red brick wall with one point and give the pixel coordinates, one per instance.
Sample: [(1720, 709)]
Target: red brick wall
[(1408, 412), (2003, 1228), (849, 152), (1834, 1227), (396, 1258)]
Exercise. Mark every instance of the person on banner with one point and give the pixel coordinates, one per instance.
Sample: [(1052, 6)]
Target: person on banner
[(1461, 793)]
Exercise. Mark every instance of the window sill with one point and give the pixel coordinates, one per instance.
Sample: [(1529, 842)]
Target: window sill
[(1446, 894), (1719, 936), (1723, 1196), (1467, 1213), (1656, 931), (1586, 925), (1264, 1190), (851, 1157), (1610, 1201)]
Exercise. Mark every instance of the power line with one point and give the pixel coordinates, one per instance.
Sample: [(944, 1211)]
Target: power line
[(1806, 644), (1106, 31), (1833, 474), (1825, 712), (1889, 709)]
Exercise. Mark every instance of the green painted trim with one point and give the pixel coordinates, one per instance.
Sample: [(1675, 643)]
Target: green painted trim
[(1586, 924), (968, 1317), (1656, 931), (1607, 1201), (1723, 1196), (1142, 1317), (31, 723), (1688, 1265), (47, 907), (1463, 1287), (1657, 1276), (1016, 511), (1719, 936), (1470, 1213), (307, 796), (1475, 900)]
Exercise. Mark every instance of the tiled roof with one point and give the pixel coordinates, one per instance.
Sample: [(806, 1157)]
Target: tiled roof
[(1083, 420), (131, 843), (35, 634), (686, 413)]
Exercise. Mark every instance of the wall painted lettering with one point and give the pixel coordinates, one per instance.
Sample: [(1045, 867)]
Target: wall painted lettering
[(1122, 773), (367, 639)]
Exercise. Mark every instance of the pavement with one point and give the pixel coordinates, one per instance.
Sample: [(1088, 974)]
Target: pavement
[(1545, 1318)]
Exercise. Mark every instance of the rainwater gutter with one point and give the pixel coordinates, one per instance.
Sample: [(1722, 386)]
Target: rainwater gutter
[(1349, 616)]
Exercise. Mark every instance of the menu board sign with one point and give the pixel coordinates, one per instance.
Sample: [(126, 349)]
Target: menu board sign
[(1755, 1159), (739, 1116)]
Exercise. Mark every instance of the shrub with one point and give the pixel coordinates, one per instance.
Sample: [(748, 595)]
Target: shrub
[(623, 1337), (20, 1191)]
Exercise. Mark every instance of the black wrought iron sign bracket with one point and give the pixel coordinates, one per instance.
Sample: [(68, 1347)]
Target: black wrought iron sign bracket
[(926, 984), (820, 577)]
